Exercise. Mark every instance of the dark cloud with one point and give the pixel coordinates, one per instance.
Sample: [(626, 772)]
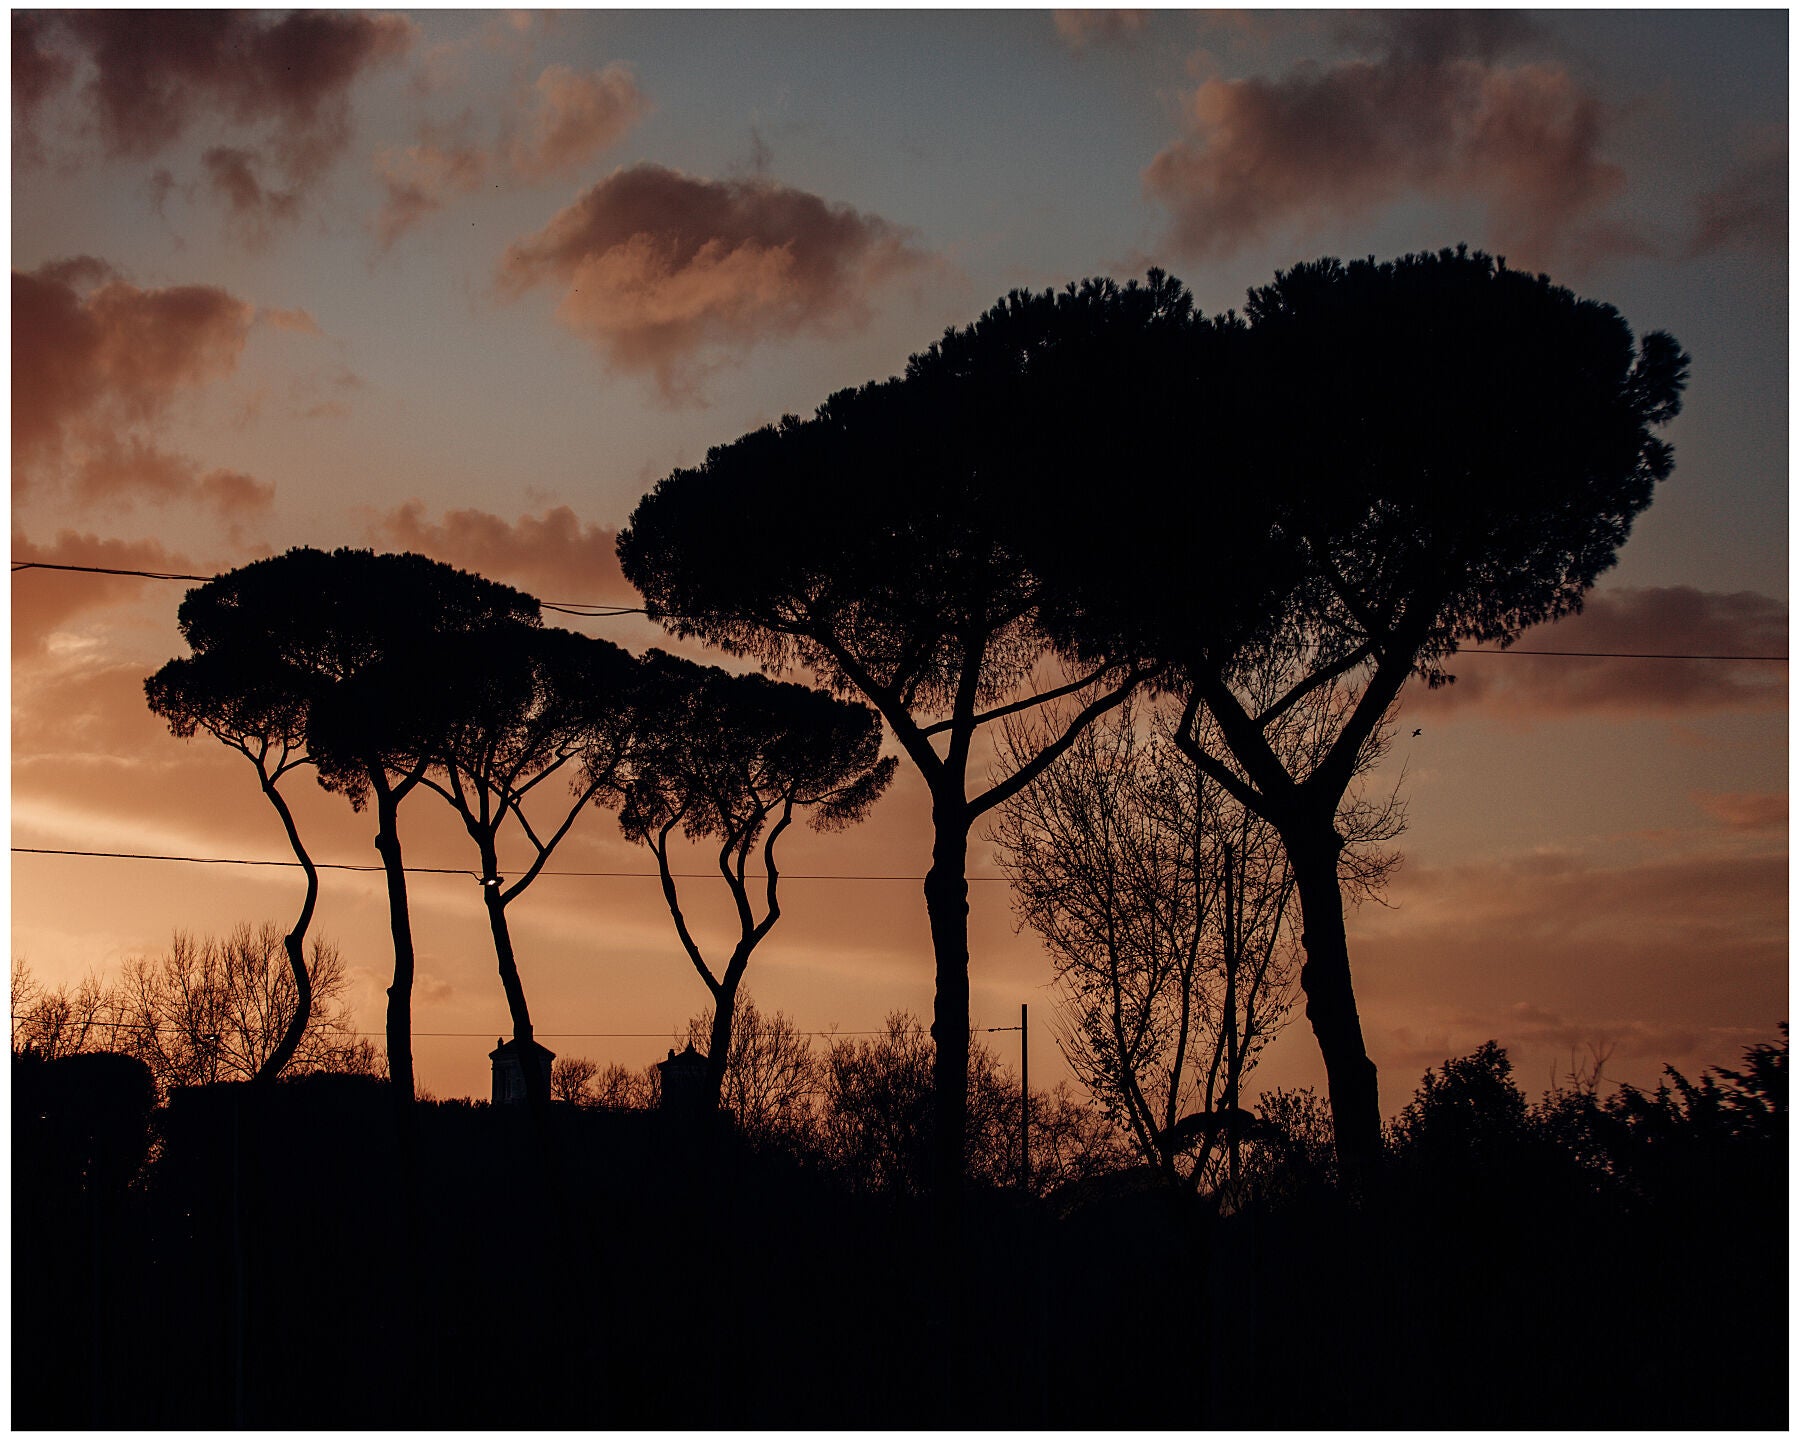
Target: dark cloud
[(110, 353), (154, 76), (1435, 113), (658, 267), (1660, 620), (1748, 209), (38, 72), (554, 555), (254, 209), (96, 364)]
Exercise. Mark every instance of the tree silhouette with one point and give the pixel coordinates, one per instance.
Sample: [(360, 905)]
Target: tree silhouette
[(877, 544), (485, 719), (772, 1075), (256, 702), (1168, 912), (732, 759), (320, 621), (214, 1008), (1422, 454)]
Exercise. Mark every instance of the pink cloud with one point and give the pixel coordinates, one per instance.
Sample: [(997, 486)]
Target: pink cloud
[(1435, 114), (573, 117), (553, 556), (1660, 620), (658, 267), (563, 120), (1079, 29), (421, 178), (298, 321)]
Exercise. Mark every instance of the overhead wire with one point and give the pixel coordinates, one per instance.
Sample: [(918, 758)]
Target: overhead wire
[(450, 870), (596, 611)]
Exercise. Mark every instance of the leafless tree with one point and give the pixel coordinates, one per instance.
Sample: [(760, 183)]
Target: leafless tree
[(875, 1117), (618, 1087), (1170, 914), (214, 1009), (52, 1021), (572, 1079), (771, 1073)]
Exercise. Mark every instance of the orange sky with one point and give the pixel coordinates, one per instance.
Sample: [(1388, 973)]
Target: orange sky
[(469, 284)]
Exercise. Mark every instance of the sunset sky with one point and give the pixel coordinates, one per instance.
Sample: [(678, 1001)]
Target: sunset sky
[(470, 283)]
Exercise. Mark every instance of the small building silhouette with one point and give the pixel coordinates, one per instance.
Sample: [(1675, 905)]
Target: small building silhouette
[(510, 1059), (683, 1082)]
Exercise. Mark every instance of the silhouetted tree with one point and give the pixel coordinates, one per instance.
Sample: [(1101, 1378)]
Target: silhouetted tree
[(48, 1021), (208, 1009), (572, 1079), (486, 719), (877, 1120), (256, 702), (1167, 909), (1684, 1140), (211, 1009), (771, 1074), (619, 1087), (877, 544), (317, 621), (1417, 455), (732, 759)]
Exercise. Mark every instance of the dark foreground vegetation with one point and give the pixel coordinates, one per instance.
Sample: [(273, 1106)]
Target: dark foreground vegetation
[(272, 1256)]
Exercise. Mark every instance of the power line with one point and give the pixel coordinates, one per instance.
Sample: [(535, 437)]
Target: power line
[(19, 565), (582, 608), (593, 611), (448, 870)]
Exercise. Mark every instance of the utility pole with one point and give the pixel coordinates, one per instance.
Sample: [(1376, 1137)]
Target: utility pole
[(1024, 1103)]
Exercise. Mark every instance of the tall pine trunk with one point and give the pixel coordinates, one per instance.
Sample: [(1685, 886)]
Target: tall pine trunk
[(399, 1007), (719, 1046), (1330, 1000), (537, 1084), (947, 905)]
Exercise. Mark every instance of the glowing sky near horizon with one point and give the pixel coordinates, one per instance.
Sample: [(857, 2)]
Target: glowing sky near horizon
[(470, 283)]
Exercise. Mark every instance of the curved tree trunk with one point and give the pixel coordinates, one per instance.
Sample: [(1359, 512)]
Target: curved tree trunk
[(1330, 1000), (719, 1046), (947, 904), (399, 1008), (295, 941), (537, 1084)]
